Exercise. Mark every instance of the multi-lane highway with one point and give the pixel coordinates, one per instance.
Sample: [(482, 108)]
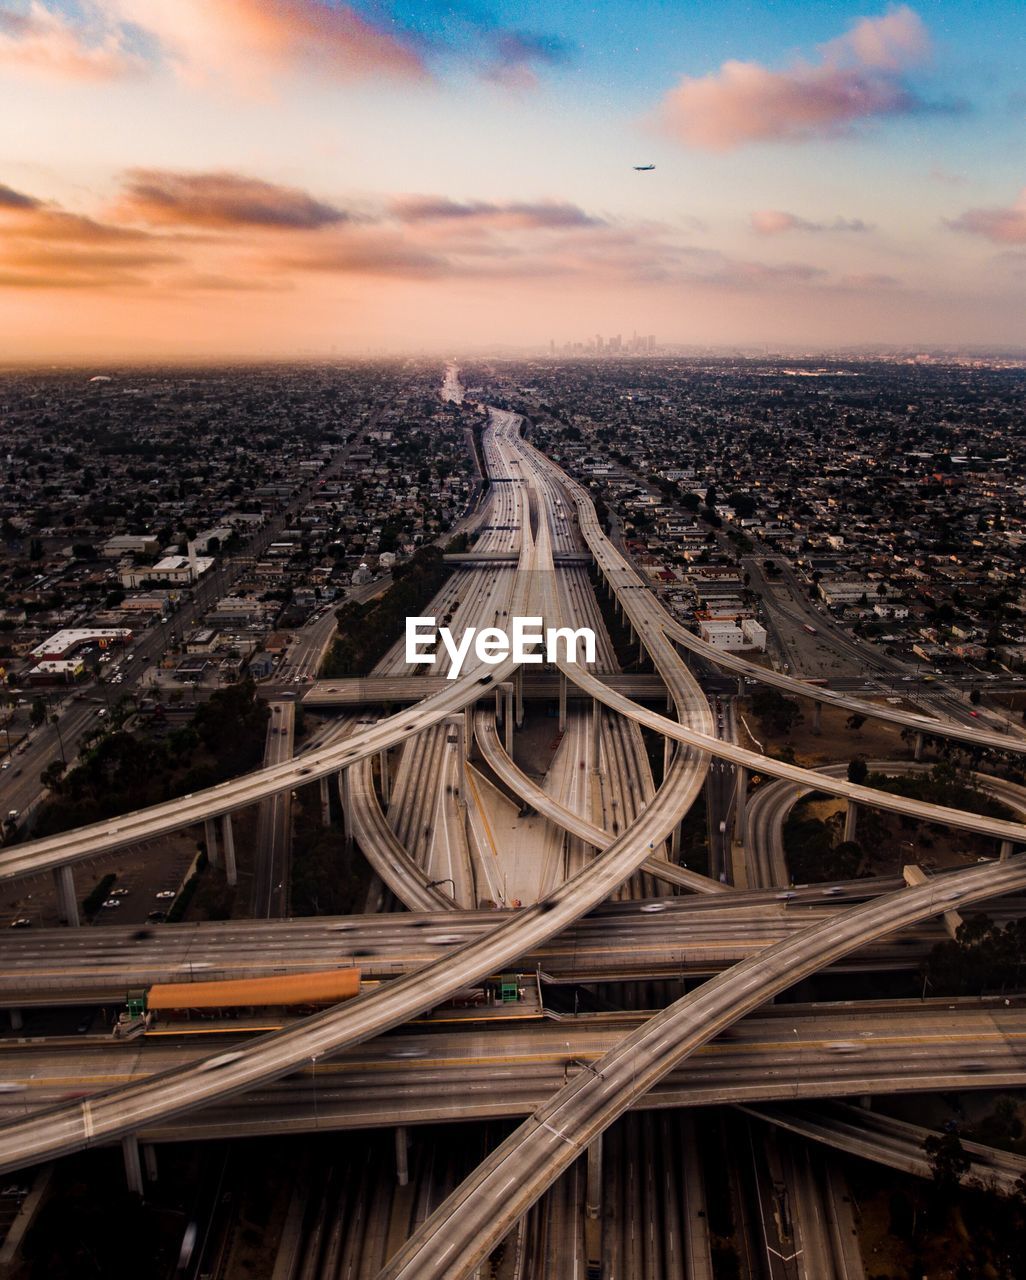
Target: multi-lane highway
[(630, 941), (274, 822), (448, 1069)]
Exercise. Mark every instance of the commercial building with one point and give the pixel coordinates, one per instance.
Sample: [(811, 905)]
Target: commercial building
[(748, 634), (62, 644)]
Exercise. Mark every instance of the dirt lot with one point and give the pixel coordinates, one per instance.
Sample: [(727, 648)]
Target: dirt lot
[(836, 743)]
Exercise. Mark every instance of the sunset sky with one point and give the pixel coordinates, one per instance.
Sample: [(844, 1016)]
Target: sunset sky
[(250, 178)]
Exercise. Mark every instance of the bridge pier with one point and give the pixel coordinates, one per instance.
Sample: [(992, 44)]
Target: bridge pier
[(851, 820), (210, 836), (668, 745), (741, 807), (593, 1195), (507, 717), (386, 788), (562, 702), (817, 717), (402, 1160), (14, 1015), (230, 872), (67, 905), (518, 685), (325, 803), (918, 749), (149, 1153), (347, 805), (596, 732), (133, 1167), (1006, 851)]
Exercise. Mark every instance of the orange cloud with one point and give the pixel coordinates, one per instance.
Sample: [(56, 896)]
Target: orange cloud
[(1000, 225), (858, 77), (222, 201), (249, 39), (43, 42)]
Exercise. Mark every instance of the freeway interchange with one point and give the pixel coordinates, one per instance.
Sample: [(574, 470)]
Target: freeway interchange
[(532, 521)]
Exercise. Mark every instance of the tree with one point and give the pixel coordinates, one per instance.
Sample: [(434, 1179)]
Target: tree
[(858, 770), (974, 697), (52, 774), (38, 712), (855, 722), (949, 1162)]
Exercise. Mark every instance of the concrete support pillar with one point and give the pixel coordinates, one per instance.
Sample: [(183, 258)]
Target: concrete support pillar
[(67, 905), (740, 686), (669, 700), (518, 685), (16, 1019), (596, 732), (641, 653), (675, 844), (851, 820), (133, 1168), (1006, 851), (918, 754), (817, 717), (149, 1153), (741, 807), (562, 702), (347, 805), (210, 836), (632, 634), (227, 833), (325, 803), (402, 1163), (593, 1197), (668, 745), (507, 718), (498, 704), (386, 781)]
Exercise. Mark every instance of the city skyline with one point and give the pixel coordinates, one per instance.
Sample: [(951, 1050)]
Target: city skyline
[(232, 179)]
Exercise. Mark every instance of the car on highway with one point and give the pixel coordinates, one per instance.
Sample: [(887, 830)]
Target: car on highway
[(222, 1061), (165, 893), (408, 1051), (650, 907), (845, 1046), (22, 922), (112, 902)]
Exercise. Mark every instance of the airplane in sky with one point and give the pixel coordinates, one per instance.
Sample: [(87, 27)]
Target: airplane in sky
[(643, 168)]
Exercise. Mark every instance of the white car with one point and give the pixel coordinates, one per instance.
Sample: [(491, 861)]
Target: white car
[(112, 902)]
